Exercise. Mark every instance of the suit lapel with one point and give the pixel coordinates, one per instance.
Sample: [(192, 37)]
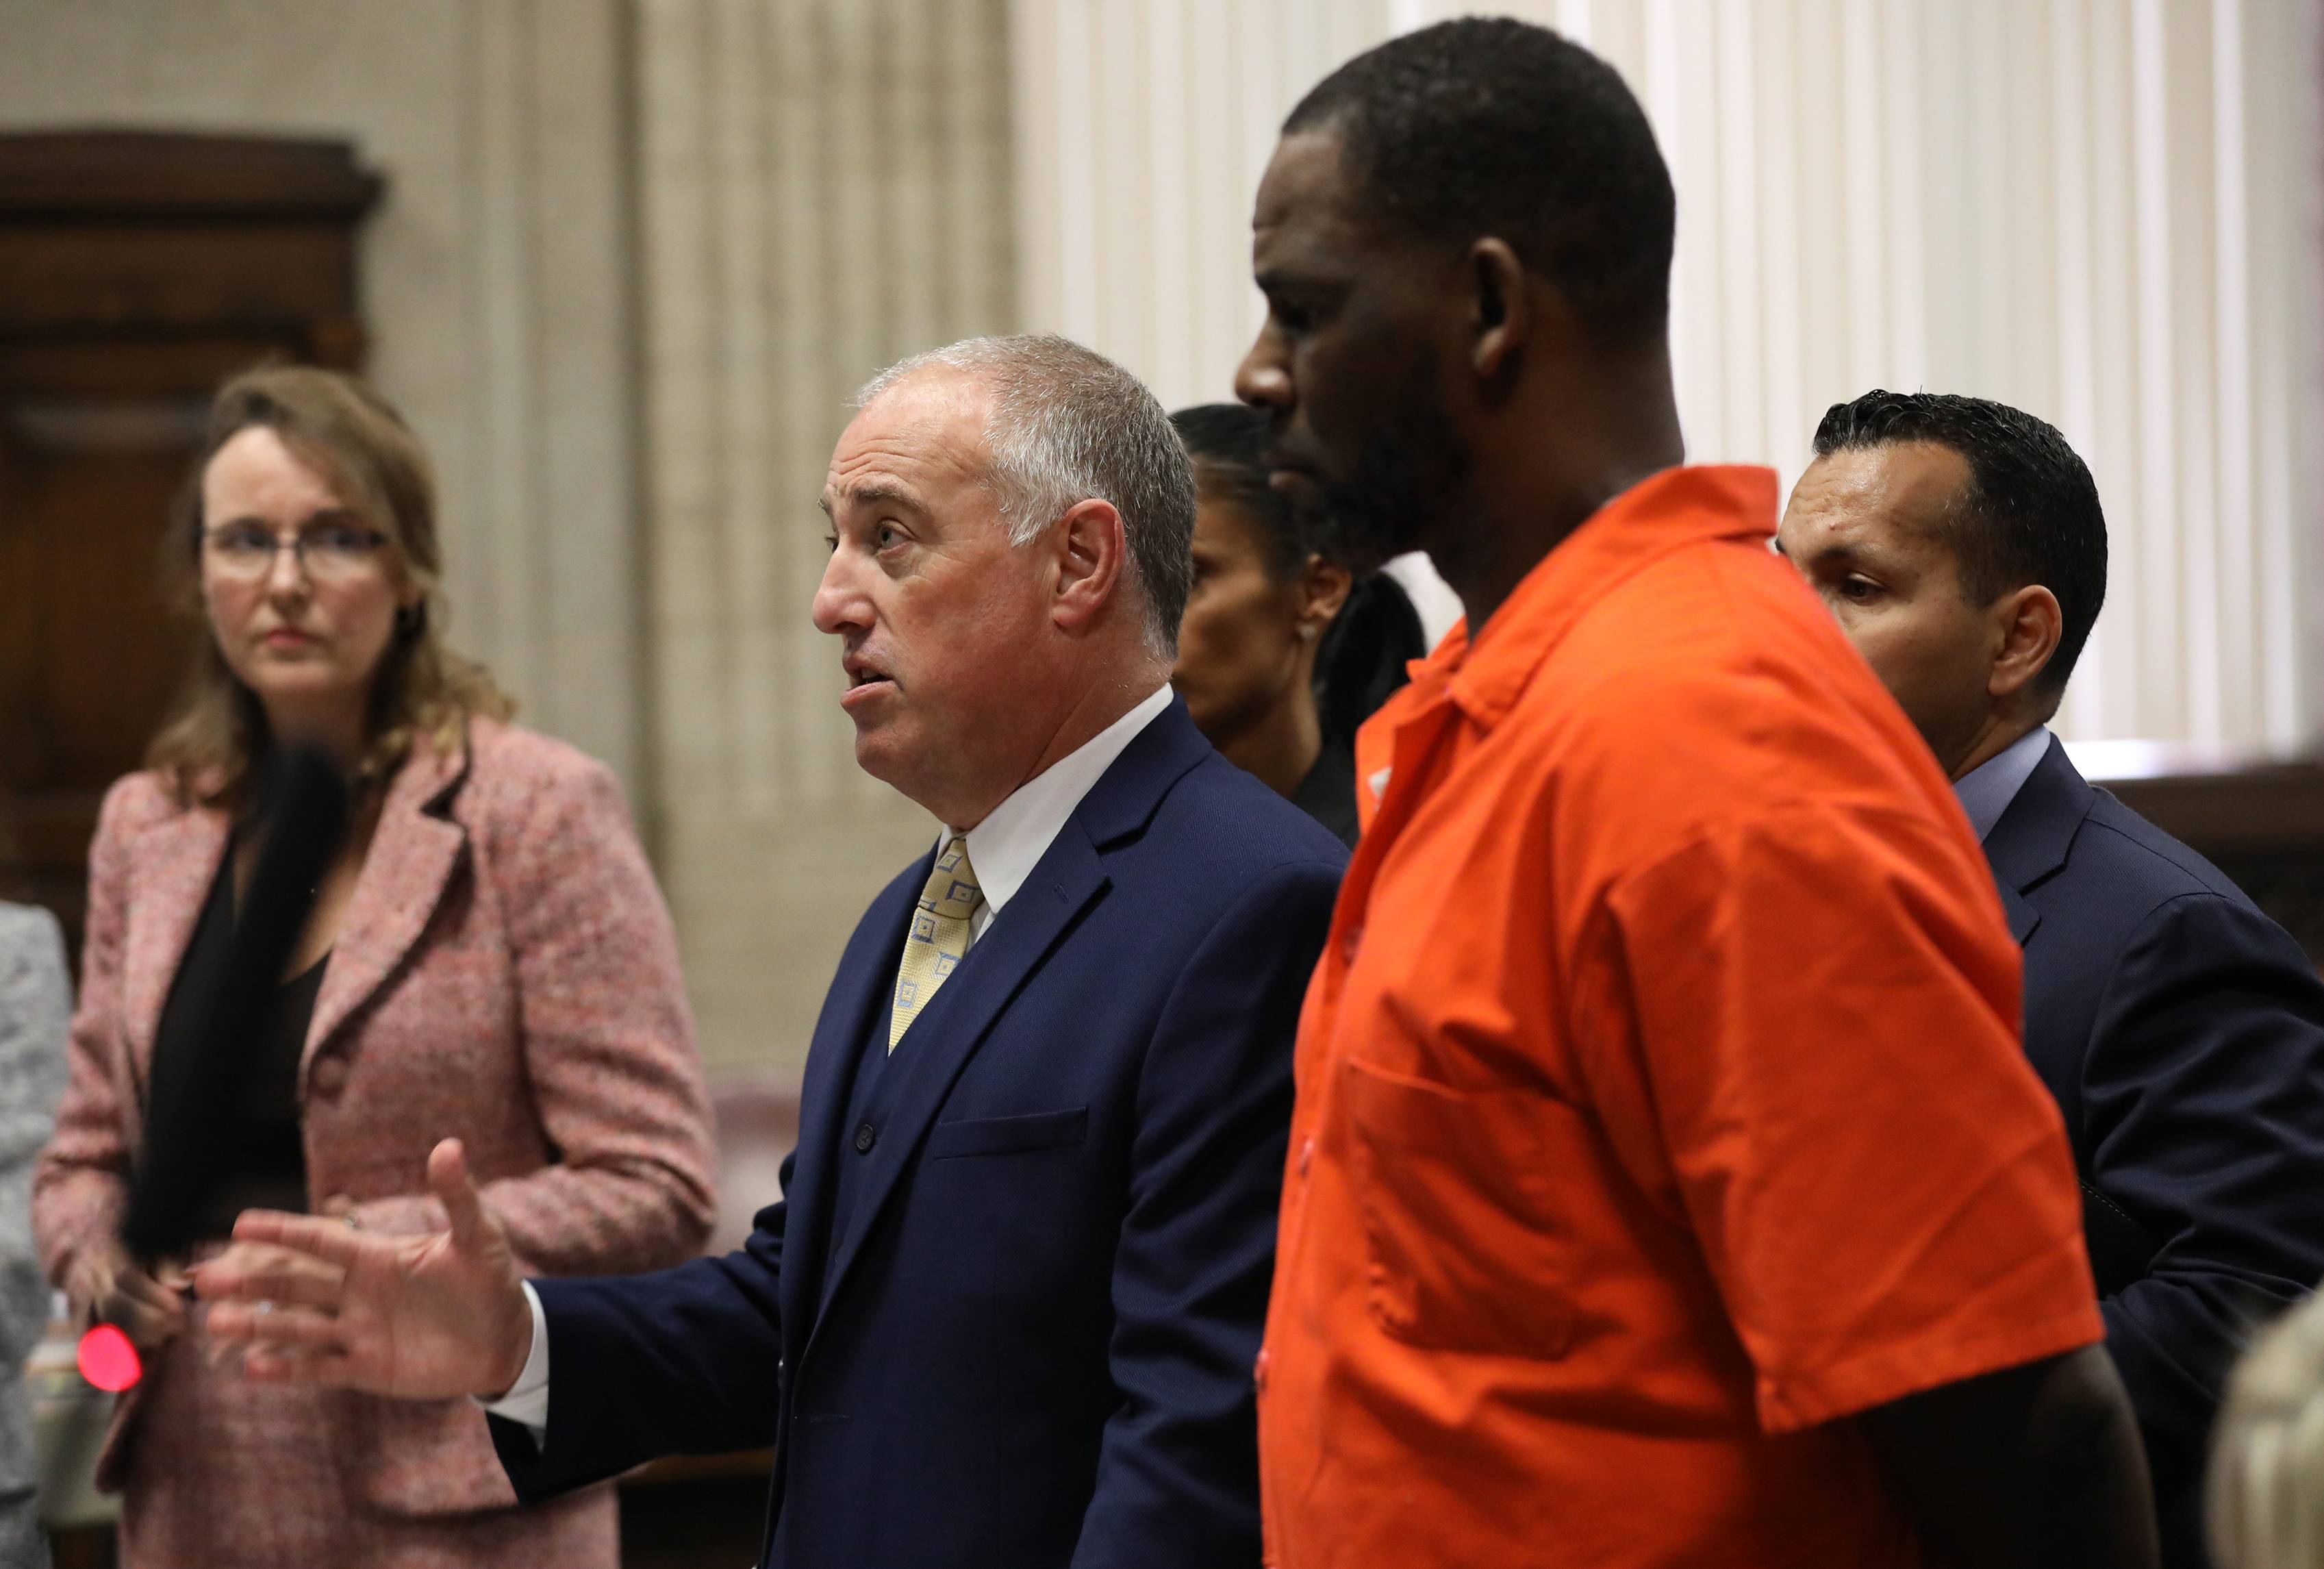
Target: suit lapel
[(413, 854), (1070, 876), (2036, 830), (175, 865), (2022, 917), (842, 1033), (951, 1026)]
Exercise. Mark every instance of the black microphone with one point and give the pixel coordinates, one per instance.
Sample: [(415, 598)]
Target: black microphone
[(194, 1114)]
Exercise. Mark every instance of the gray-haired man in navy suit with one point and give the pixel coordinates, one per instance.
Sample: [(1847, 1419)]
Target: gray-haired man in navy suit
[(1004, 1313), (1961, 545)]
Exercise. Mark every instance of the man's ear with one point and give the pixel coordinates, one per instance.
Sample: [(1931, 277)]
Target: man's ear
[(1091, 549), (1500, 307), (2027, 625)]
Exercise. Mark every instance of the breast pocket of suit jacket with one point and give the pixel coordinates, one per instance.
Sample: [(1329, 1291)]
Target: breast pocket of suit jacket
[(1026, 1133), (1463, 1250), (1009, 1199)]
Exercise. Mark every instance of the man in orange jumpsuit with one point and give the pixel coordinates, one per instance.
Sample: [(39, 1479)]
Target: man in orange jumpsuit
[(1667, 1187)]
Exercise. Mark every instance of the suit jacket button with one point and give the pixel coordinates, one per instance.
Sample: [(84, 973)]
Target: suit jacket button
[(864, 1138), (328, 1077)]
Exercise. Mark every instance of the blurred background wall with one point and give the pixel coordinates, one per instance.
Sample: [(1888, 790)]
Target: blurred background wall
[(2103, 211), (633, 254), (498, 275), (826, 188)]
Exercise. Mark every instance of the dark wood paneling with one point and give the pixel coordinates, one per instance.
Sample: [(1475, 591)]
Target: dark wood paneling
[(160, 176), (697, 1512), (2263, 827), (151, 279), (83, 1547), (137, 271)]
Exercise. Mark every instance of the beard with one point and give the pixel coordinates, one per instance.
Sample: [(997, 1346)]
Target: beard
[(1407, 471)]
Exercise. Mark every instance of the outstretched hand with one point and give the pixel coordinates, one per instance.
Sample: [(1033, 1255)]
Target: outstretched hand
[(311, 1300)]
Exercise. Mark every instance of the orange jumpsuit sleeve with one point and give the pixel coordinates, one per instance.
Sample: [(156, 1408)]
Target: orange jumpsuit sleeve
[(1820, 1008)]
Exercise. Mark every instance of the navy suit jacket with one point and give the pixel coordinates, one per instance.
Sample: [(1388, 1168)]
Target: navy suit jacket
[(1032, 1344), (2182, 1033)]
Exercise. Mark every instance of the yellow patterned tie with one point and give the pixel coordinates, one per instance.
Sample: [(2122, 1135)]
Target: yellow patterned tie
[(938, 937)]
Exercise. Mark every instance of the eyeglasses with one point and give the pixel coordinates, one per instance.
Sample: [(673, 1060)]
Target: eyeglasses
[(325, 552)]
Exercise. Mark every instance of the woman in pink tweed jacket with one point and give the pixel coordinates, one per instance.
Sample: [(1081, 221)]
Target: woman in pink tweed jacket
[(497, 964)]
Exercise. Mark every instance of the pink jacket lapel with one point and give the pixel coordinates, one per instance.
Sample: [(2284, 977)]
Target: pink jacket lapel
[(413, 854), (171, 872)]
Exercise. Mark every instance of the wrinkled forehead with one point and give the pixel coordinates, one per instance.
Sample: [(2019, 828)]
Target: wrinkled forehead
[(925, 437), (1900, 495)]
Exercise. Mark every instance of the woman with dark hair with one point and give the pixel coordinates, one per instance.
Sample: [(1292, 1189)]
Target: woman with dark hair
[(487, 957), (1282, 652)]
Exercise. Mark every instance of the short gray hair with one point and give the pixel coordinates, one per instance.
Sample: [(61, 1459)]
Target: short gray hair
[(1069, 426)]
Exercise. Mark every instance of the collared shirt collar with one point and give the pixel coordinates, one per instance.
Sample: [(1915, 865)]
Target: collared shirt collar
[(1987, 790), (1654, 517), (1005, 848)]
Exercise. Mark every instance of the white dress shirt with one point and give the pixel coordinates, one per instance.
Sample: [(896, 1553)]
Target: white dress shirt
[(1003, 850)]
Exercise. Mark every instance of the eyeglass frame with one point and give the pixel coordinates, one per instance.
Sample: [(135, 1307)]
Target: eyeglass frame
[(209, 538)]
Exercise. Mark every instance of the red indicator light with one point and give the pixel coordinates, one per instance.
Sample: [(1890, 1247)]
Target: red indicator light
[(108, 1360)]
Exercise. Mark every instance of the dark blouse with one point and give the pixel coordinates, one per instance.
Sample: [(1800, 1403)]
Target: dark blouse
[(1328, 793), (270, 1169)]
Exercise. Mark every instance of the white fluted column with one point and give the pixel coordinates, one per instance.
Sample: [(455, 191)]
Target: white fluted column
[(825, 186)]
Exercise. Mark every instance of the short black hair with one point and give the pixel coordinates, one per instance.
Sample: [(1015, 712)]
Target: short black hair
[(1228, 443), (1494, 126), (2029, 515)]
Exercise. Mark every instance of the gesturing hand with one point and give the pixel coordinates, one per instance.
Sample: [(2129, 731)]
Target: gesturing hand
[(310, 1300)]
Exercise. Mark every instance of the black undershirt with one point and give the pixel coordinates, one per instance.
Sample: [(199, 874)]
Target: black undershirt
[(269, 1170)]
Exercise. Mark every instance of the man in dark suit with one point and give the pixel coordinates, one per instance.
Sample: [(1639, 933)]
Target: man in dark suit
[(1962, 547), (1005, 1313)]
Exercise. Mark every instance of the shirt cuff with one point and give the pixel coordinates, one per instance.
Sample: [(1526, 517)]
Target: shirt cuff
[(526, 1401)]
